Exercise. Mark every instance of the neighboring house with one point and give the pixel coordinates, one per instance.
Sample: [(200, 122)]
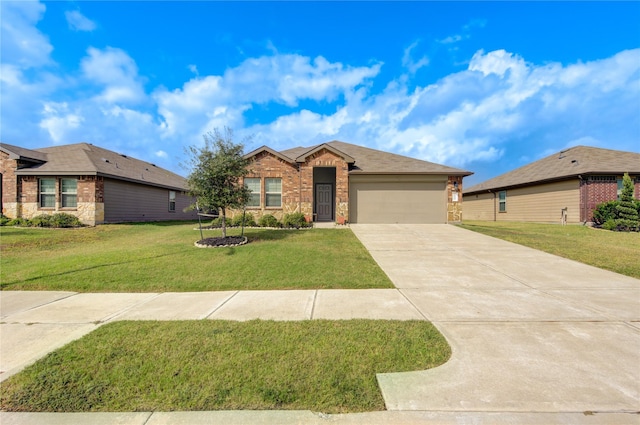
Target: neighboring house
[(95, 184), (563, 187), (340, 182)]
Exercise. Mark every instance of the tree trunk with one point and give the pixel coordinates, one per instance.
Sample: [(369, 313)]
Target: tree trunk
[(224, 223)]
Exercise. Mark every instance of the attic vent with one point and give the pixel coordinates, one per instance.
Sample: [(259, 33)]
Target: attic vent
[(146, 169), (153, 165), (105, 160), (123, 155), (574, 161)]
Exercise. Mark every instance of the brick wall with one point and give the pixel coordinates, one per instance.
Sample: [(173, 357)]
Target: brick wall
[(90, 200), (9, 186), (298, 185), (595, 190)]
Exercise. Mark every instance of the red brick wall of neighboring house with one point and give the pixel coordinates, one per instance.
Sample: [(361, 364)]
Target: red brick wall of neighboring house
[(297, 183), (9, 185), (595, 190)]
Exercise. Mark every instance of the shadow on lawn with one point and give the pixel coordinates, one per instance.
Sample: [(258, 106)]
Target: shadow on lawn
[(6, 285)]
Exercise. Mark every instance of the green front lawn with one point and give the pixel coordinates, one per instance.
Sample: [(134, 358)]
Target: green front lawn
[(160, 257), (614, 251), (323, 366)]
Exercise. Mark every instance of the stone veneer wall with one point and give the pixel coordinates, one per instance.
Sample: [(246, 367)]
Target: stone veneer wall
[(454, 207), (90, 199)]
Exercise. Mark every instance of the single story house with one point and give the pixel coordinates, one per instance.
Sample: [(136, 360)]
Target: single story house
[(562, 188), (94, 184), (341, 182)]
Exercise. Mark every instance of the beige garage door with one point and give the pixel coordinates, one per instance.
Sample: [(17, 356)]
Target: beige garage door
[(398, 202)]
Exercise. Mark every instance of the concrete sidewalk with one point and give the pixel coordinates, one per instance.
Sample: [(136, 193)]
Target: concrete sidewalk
[(536, 339)]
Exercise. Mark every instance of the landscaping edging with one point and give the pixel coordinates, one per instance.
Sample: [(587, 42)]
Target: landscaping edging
[(243, 241)]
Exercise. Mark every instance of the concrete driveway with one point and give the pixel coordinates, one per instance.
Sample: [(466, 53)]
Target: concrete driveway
[(530, 332), (535, 338)]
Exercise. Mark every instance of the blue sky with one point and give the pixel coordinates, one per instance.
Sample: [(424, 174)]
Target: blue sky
[(483, 86)]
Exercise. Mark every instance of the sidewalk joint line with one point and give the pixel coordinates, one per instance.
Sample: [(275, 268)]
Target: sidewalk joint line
[(313, 304), (221, 305)]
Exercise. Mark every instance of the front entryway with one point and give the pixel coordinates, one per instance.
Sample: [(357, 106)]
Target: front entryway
[(324, 202)]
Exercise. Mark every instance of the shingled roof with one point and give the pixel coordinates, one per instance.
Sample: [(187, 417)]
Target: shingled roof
[(372, 161), (89, 160), (570, 163)]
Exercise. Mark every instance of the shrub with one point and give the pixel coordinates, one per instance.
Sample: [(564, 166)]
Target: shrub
[(268, 220), (43, 220), (626, 208), (4, 220), (610, 225), (65, 220), (249, 221), (21, 222), (605, 211), (217, 222), (295, 220)]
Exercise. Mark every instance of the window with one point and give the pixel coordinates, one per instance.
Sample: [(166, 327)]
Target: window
[(620, 186), (47, 193), (502, 200), (69, 193), (172, 201), (253, 184), (273, 192)]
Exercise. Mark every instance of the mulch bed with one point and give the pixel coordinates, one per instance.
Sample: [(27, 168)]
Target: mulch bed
[(221, 242)]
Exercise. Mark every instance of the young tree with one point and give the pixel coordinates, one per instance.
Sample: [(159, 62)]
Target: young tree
[(216, 170), (626, 208)]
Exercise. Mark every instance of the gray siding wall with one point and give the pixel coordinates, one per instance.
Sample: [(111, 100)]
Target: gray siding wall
[(131, 202)]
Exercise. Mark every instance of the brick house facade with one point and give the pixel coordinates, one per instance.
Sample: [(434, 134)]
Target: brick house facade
[(110, 188), (319, 182)]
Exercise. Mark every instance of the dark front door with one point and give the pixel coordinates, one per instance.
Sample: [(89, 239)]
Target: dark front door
[(324, 202)]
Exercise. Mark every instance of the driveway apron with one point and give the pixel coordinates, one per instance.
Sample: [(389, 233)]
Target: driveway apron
[(530, 331)]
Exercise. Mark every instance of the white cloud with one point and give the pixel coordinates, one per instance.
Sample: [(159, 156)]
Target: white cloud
[(499, 103), (23, 44), (409, 63), (476, 116), (58, 121), (78, 22), (215, 101), (116, 72)]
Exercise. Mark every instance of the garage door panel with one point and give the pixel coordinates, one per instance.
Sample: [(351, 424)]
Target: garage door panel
[(391, 202)]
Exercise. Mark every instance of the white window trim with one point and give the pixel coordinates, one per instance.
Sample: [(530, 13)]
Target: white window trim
[(254, 193), (266, 193)]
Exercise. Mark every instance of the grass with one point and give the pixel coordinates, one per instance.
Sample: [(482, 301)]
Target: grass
[(324, 366), (159, 257), (614, 251)]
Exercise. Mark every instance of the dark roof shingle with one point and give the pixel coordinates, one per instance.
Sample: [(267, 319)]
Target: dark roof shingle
[(579, 160), (87, 159), (372, 161)]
